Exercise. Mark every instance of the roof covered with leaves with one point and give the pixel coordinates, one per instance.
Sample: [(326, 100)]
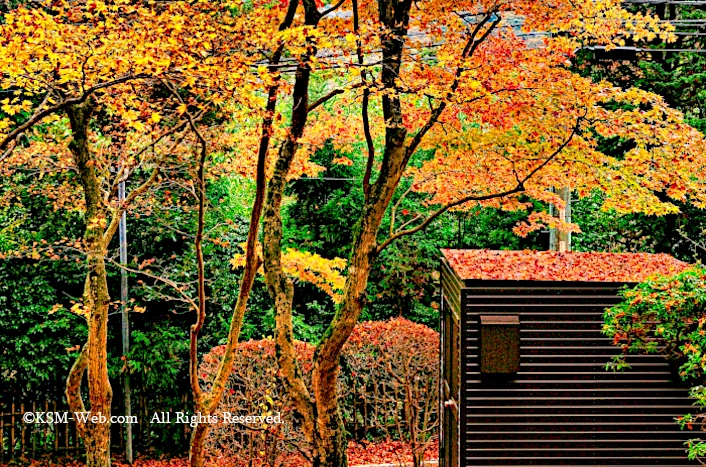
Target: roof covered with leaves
[(531, 265)]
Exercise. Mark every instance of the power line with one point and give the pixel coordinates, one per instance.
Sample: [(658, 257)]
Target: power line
[(327, 178), (642, 49), (671, 2), (337, 179)]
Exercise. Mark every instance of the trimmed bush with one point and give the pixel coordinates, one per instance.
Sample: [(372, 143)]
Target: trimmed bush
[(388, 389)]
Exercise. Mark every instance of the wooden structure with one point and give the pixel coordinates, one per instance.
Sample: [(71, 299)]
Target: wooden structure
[(57, 436), (561, 407)]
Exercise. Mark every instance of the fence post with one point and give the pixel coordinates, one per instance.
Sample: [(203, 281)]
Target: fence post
[(12, 428)]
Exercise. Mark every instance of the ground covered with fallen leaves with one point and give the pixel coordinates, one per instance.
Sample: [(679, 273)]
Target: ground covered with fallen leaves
[(389, 452)]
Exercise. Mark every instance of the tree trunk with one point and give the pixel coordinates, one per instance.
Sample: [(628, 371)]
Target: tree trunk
[(252, 263), (395, 16), (197, 452), (318, 412), (330, 444), (94, 356), (280, 286)]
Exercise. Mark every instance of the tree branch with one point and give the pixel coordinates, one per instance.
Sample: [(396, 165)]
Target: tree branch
[(365, 106), (322, 100), (468, 51), (333, 8), (41, 114), (118, 212), (164, 280), (519, 187)]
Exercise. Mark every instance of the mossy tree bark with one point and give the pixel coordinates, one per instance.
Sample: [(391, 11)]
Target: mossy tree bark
[(208, 403), (317, 409), (94, 355), (101, 225)]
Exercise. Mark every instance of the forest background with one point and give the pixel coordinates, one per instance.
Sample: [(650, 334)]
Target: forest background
[(43, 338)]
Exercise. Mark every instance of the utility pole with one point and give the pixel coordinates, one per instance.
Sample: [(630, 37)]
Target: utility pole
[(122, 235), (561, 241)]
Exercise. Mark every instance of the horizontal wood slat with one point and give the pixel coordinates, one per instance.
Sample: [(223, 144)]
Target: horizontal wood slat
[(563, 407)]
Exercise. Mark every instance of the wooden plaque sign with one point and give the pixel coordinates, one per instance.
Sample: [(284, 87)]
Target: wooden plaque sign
[(499, 344)]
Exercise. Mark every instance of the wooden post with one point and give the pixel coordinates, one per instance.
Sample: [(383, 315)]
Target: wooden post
[(23, 431), (66, 437), (56, 431), (2, 433), (33, 433), (12, 429), (45, 429)]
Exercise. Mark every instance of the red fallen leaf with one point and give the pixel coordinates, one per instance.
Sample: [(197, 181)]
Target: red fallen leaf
[(358, 454), (554, 266)]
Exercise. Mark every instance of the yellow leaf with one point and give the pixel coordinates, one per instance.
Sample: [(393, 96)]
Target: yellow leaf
[(138, 125)]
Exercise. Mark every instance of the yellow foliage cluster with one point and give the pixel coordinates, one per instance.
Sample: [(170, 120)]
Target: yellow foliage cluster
[(326, 274)]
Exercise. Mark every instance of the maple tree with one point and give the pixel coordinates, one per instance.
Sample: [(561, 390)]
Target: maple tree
[(108, 66), (664, 315), (94, 87), (445, 92), (498, 117)]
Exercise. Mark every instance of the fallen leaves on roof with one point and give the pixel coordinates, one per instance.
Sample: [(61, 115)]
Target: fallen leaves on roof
[(529, 265)]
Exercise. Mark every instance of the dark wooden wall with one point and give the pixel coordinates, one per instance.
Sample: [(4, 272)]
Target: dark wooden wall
[(451, 373), (563, 407)]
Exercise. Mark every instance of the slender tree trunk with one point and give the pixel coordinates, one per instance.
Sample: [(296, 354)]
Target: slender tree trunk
[(252, 263), (330, 445), (94, 356), (318, 412), (395, 16), (200, 433), (280, 286), (197, 451)]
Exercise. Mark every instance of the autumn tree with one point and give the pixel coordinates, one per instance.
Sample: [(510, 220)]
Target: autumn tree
[(490, 114), (136, 81), (498, 114), (93, 100)]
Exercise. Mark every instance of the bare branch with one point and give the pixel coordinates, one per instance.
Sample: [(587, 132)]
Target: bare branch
[(173, 284), (393, 211), (118, 212), (322, 100), (121, 173)]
